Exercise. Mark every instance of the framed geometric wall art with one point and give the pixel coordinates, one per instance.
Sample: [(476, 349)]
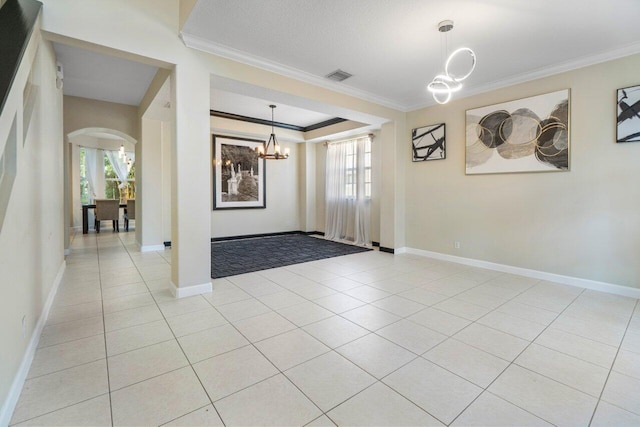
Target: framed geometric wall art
[(628, 117), (524, 135), (238, 174), (428, 143)]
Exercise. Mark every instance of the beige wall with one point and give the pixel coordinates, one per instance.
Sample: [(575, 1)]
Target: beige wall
[(81, 113), (583, 223), (32, 237)]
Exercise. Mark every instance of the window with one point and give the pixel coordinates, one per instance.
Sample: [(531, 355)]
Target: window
[(110, 179), (351, 177)]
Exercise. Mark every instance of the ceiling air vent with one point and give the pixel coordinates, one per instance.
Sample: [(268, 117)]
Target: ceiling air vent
[(338, 76)]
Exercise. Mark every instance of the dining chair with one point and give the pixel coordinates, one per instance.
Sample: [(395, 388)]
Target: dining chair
[(130, 213), (108, 209)]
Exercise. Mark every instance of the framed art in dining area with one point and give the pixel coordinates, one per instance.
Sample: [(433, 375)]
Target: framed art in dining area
[(428, 143), (628, 116), (524, 135), (238, 173)]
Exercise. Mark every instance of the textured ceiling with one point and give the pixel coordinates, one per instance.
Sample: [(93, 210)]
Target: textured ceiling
[(94, 75), (393, 48)]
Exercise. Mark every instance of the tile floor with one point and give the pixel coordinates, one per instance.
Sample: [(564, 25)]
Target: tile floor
[(364, 339)]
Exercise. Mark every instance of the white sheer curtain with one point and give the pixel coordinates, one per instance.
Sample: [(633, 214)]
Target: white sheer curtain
[(348, 208), (90, 158), (119, 167)]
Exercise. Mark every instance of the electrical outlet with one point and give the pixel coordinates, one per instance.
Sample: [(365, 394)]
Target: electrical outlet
[(24, 326), (456, 245)]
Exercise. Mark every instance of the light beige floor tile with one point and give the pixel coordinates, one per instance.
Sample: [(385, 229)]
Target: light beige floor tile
[(608, 415), (158, 284), (450, 286), (263, 326), (543, 397), (528, 312), (512, 325), (631, 341), (623, 391), (197, 321), (131, 317), (158, 400), (74, 312), (439, 321), (376, 355), (281, 300), (411, 336), (370, 317), (136, 337), (121, 279), (313, 291), (568, 370), (127, 302), (124, 290), (392, 286), (261, 288), (139, 365), (77, 296), (437, 391), (322, 421), (367, 293), (211, 342), (607, 333), (273, 402), (628, 363), (207, 416), (380, 406), (329, 380), (339, 303), (474, 365), (423, 296), (243, 309), (341, 284), (462, 309), (291, 348), (61, 389), (229, 372), (71, 331), (93, 412), (181, 306), (399, 306), (492, 341), (67, 355), (305, 313), (490, 410), (335, 331), (474, 296), (576, 346)]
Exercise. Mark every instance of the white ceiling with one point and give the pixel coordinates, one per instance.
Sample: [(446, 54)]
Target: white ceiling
[(393, 48), (93, 75)]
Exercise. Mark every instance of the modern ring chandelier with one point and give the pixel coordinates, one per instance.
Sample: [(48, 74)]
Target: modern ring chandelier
[(444, 85), (263, 150)]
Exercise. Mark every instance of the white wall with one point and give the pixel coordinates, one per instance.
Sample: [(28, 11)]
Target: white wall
[(584, 223), (31, 237)]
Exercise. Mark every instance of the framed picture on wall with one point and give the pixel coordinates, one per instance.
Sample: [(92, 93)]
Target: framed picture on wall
[(238, 174), (524, 135), (428, 143), (628, 128)]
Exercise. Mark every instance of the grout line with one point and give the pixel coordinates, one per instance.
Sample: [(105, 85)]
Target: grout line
[(613, 364)]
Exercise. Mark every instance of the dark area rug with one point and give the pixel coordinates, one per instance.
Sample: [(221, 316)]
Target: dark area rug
[(231, 257)]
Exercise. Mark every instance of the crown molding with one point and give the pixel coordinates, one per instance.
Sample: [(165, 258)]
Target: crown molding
[(199, 43), (574, 64)]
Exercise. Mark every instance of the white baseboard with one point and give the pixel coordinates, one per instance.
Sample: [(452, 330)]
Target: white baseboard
[(151, 248), (18, 381), (188, 291), (536, 274)]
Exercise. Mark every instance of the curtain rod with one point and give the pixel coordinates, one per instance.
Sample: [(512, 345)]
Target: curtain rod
[(370, 135)]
